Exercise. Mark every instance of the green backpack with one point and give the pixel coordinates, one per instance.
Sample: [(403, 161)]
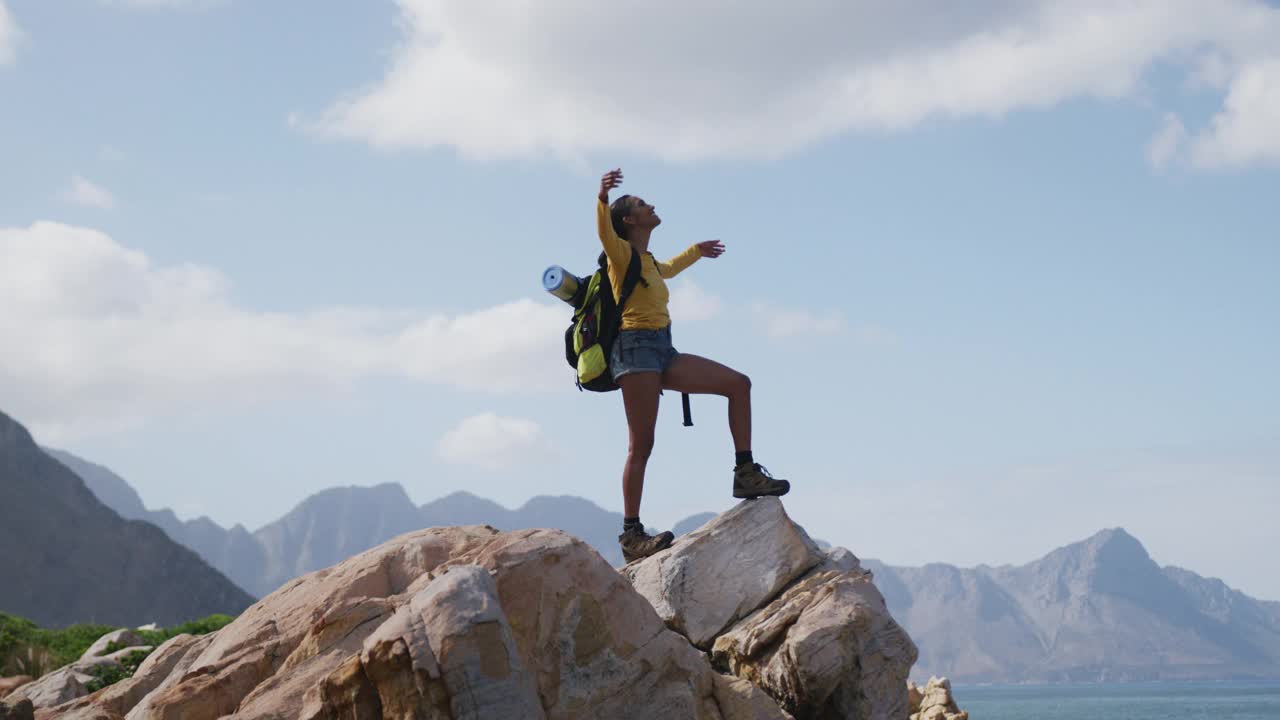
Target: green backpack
[(597, 320)]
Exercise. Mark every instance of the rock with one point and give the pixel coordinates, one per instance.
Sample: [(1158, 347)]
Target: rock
[(475, 651), (62, 685), (597, 647), (178, 655), (914, 696), (123, 638), (249, 651), (934, 701), (838, 558), (293, 691), (448, 653), (115, 700), (468, 622), (827, 647), (21, 710), (725, 569), (9, 684)]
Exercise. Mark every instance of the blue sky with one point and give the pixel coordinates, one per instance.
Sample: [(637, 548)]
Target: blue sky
[(1002, 275)]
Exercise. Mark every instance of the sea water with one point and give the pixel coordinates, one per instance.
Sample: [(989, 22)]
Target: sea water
[(1138, 701)]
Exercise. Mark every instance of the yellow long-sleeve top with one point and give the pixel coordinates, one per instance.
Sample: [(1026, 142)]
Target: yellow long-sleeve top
[(647, 307)]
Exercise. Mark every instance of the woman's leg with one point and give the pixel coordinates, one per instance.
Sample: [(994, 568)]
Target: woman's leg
[(640, 398), (694, 374), (697, 375)]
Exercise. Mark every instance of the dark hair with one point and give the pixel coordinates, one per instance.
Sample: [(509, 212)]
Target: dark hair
[(620, 209)]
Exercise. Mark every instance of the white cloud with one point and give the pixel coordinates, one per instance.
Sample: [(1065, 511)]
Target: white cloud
[(1248, 128), (10, 35), (84, 192), (779, 323), (493, 442), (1167, 143), (764, 78), (690, 303), (96, 335)]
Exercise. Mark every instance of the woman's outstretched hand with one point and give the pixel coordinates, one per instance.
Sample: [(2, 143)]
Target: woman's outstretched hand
[(711, 248), (609, 181)]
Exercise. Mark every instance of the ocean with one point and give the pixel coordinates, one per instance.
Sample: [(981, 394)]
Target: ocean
[(1138, 701)]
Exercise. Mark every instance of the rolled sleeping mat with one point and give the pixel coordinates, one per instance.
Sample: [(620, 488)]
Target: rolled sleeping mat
[(561, 283)]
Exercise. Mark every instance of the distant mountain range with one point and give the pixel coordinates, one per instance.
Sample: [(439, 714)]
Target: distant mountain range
[(334, 524), (1094, 611), (1097, 610), (65, 557)]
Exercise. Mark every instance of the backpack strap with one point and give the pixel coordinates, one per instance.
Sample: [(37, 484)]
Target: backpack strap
[(629, 281)]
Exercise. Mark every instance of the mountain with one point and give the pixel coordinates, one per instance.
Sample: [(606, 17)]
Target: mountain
[(334, 524), (1096, 610), (234, 552), (69, 558)]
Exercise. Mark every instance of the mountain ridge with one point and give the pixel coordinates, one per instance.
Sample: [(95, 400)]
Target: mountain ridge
[(1095, 610), (69, 558), (332, 524)]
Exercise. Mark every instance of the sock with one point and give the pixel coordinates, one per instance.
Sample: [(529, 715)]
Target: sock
[(632, 522), (743, 457)]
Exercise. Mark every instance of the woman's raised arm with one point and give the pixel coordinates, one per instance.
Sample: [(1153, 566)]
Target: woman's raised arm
[(618, 250)]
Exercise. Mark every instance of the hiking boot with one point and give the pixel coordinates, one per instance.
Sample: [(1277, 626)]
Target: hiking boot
[(751, 480), (636, 543)]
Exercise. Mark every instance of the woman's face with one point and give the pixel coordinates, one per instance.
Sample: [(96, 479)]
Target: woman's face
[(643, 215)]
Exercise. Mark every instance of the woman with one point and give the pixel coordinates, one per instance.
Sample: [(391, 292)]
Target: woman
[(644, 363)]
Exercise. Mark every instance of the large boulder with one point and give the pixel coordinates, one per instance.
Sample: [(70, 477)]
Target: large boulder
[(441, 623), (469, 622), (725, 569), (825, 648), (809, 628)]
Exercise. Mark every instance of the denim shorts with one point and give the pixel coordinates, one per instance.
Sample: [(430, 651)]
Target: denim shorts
[(641, 351)]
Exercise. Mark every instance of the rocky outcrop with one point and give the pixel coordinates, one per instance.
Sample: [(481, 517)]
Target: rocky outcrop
[(934, 701), (72, 681), (725, 569), (470, 622), (808, 628), (116, 700)]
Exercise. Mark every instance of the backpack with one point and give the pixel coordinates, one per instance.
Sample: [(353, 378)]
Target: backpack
[(597, 320)]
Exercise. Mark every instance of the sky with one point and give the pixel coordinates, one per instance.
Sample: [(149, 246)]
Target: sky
[(1003, 274)]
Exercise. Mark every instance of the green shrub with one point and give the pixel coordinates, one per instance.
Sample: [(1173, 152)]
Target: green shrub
[(26, 649), (104, 675)]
